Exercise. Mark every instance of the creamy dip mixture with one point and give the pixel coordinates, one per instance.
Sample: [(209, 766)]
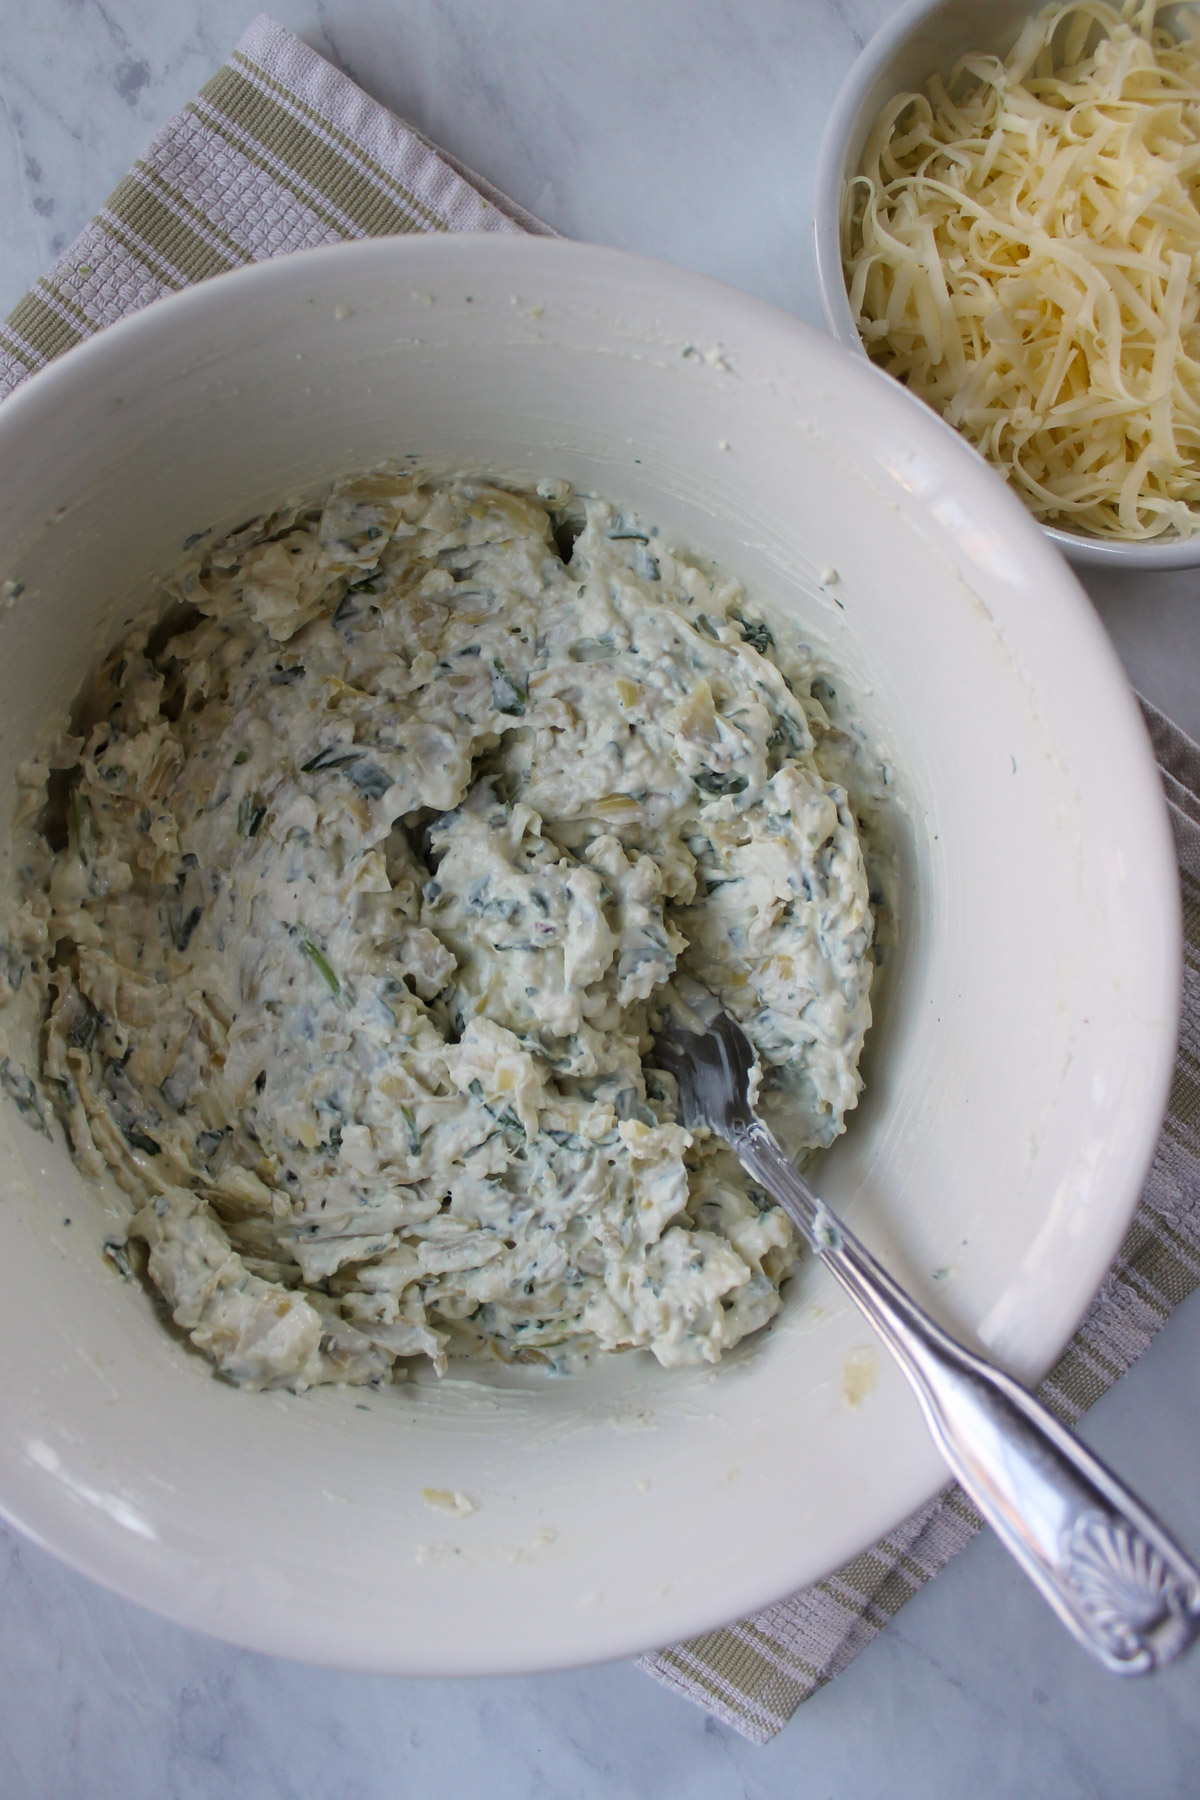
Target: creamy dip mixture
[(350, 900)]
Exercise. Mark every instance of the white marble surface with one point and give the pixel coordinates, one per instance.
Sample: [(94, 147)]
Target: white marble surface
[(687, 129)]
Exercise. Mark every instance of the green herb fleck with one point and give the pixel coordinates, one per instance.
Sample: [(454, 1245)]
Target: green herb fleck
[(183, 935), (321, 964), (82, 828), (137, 1139), (414, 1136), (333, 756)]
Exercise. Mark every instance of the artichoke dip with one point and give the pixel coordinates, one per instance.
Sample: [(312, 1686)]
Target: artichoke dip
[(348, 906)]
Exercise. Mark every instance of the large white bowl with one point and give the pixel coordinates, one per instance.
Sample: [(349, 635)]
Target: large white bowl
[(925, 37), (1016, 1076)]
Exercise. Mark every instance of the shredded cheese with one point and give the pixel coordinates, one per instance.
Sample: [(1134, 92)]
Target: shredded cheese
[(1021, 249)]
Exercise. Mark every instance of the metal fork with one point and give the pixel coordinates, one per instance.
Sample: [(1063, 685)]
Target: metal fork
[(1113, 1575)]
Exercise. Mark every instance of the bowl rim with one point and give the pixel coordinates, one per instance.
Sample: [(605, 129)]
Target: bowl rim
[(55, 384), (870, 63)]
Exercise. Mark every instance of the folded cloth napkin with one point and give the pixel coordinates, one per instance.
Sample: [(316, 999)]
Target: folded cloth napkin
[(281, 151)]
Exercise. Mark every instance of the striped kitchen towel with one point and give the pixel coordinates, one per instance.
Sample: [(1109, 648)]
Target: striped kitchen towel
[(281, 151)]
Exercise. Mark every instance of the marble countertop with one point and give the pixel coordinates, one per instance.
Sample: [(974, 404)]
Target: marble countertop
[(686, 129)]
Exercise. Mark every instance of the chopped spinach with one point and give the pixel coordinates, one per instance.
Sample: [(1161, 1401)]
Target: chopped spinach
[(83, 1032), (757, 635), (709, 781), (508, 696), (17, 1083), (369, 778)]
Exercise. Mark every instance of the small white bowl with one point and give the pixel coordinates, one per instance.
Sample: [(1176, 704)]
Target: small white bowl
[(923, 37), (1016, 1073)]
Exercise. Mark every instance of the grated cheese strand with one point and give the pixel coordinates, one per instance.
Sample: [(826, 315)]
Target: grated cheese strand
[(1021, 249)]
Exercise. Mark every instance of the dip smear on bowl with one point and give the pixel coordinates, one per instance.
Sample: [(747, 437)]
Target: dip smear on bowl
[(350, 898), (1021, 248)]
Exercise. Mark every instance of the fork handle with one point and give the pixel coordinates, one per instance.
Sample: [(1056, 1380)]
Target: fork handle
[(1111, 1572)]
